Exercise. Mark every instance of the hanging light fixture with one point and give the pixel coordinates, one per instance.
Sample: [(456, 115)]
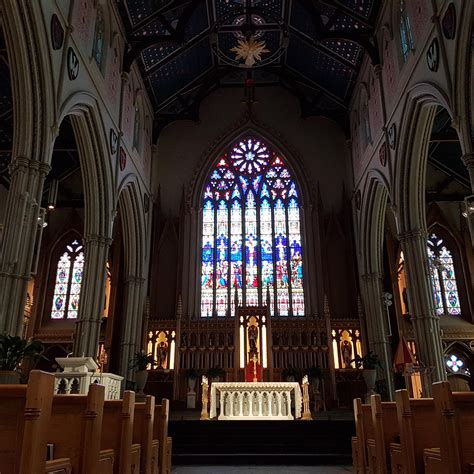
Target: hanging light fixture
[(53, 194)]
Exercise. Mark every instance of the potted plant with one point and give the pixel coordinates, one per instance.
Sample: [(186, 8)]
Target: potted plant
[(13, 351), (215, 373), (140, 362), (369, 364), (290, 374)]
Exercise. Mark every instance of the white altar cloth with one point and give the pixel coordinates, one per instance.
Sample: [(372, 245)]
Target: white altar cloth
[(255, 400)]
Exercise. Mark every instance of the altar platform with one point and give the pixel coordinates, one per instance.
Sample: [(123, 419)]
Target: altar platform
[(311, 443)]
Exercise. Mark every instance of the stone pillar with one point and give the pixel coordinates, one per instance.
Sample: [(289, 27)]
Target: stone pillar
[(425, 321), (19, 239), (91, 304), (378, 327), (133, 318), (468, 161)]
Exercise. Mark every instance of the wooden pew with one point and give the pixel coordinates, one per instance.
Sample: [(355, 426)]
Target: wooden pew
[(160, 432), (143, 435), (117, 435), (385, 431), (75, 427), (364, 429), (455, 419), (417, 432), (24, 416)]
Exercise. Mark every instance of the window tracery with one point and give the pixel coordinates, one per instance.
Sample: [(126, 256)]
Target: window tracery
[(251, 233), (406, 34), (443, 278), (67, 288)]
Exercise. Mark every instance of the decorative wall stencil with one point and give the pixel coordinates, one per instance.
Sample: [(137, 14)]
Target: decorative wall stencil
[(392, 136), (122, 159), (358, 199), (57, 33), (448, 23), (113, 140), (146, 203), (72, 64), (432, 55), (383, 153)]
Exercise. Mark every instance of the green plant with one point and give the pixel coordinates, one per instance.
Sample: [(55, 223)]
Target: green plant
[(314, 373), (370, 361), (192, 373), (141, 360), (14, 349), (215, 372)]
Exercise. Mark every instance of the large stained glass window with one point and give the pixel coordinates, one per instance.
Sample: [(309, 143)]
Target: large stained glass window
[(443, 278), (251, 234), (67, 288), (99, 37)]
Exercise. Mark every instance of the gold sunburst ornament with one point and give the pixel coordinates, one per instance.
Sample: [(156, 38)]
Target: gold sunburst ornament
[(250, 50)]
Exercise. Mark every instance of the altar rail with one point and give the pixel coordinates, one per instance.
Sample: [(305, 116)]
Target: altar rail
[(74, 383)]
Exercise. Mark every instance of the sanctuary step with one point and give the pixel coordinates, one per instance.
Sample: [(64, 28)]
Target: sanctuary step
[(262, 442)]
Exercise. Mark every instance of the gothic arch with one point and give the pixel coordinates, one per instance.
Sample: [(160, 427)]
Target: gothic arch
[(412, 154), (312, 283)]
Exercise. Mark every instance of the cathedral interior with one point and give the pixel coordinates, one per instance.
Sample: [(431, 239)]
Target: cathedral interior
[(241, 189)]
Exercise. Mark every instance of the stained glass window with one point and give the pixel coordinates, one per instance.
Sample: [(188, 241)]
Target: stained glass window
[(406, 35), (99, 37), (67, 288), (443, 278), (251, 234)]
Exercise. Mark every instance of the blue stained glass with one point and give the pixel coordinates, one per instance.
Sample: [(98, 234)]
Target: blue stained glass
[(247, 215)]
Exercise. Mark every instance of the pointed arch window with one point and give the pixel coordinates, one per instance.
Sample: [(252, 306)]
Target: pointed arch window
[(443, 277), (365, 121), (251, 233), (99, 37), (67, 288), (406, 34)]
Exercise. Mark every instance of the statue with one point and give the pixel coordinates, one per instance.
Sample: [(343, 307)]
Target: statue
[(346, 354), (162, 354), (253, 337)]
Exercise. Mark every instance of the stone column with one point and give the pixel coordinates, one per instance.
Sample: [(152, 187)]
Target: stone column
[(468, 161), (133, 318), (378, 326), (91, 304), (425, 321), (19, 239)]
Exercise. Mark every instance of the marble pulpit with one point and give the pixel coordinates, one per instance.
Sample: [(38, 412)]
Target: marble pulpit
[(255, 400)]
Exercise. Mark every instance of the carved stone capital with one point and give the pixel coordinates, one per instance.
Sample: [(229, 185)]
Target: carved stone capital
[(413, 235), (468, 161), (99, 240)]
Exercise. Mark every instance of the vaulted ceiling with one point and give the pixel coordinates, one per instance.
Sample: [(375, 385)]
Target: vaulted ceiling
[(183, 48)]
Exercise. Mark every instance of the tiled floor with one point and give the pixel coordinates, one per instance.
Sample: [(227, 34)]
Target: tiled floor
[(261, 469)]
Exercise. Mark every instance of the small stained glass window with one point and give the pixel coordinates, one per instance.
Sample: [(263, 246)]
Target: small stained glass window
[(443, 277), (99, 37), (454, 363), (67, 288), (406, 35), (251, 233)]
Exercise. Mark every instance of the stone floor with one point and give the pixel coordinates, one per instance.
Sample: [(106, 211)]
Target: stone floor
[(261, 469)]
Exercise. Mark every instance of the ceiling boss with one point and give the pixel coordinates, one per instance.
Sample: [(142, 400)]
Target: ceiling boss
[(255, 35)]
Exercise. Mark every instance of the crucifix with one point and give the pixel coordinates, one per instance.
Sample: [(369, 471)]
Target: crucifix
[(254, 360), (249, 92)]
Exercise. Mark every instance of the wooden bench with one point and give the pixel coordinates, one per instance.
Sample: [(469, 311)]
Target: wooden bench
[(417, 432), (160, 433), (455, 422), (117, 435), (24, 417), (364, 430), (143, 435), (385, 431), (75, 427)]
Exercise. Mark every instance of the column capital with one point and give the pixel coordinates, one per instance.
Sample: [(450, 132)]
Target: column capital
[(413, 235), (369, 277), (134, 280), (22, 163), (468, 160), (97, 240)]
